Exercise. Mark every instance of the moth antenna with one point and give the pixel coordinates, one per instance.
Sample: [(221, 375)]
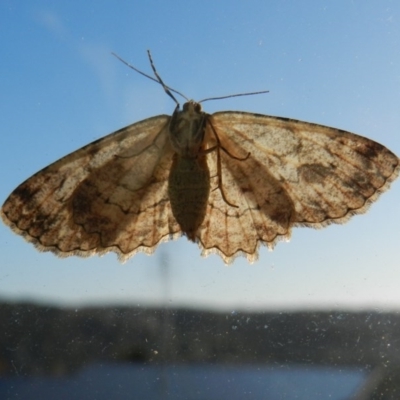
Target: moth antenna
[(167, 89), (233, 95), (161, 82)]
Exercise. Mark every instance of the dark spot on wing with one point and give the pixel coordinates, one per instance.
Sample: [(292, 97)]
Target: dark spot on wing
[(314, 173), (25, 193), (369, 149)]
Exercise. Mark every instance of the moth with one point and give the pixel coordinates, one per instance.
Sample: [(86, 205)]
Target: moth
[(229, 181)]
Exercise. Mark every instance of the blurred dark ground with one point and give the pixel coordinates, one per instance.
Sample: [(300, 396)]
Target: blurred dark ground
[(48, 341)]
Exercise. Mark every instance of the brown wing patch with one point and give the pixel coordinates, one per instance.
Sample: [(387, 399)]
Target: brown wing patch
[(298, 174), (108, 196)]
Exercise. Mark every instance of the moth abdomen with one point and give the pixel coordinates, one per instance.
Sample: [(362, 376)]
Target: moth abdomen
[(188, 190)]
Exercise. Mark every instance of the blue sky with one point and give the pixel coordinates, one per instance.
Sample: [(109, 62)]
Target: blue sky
[(332, 63)]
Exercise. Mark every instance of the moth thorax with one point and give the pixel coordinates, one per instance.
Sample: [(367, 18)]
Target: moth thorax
[(188, 189), (186, 129)]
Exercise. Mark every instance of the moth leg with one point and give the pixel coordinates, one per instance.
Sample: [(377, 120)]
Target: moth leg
[(217, 148)]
